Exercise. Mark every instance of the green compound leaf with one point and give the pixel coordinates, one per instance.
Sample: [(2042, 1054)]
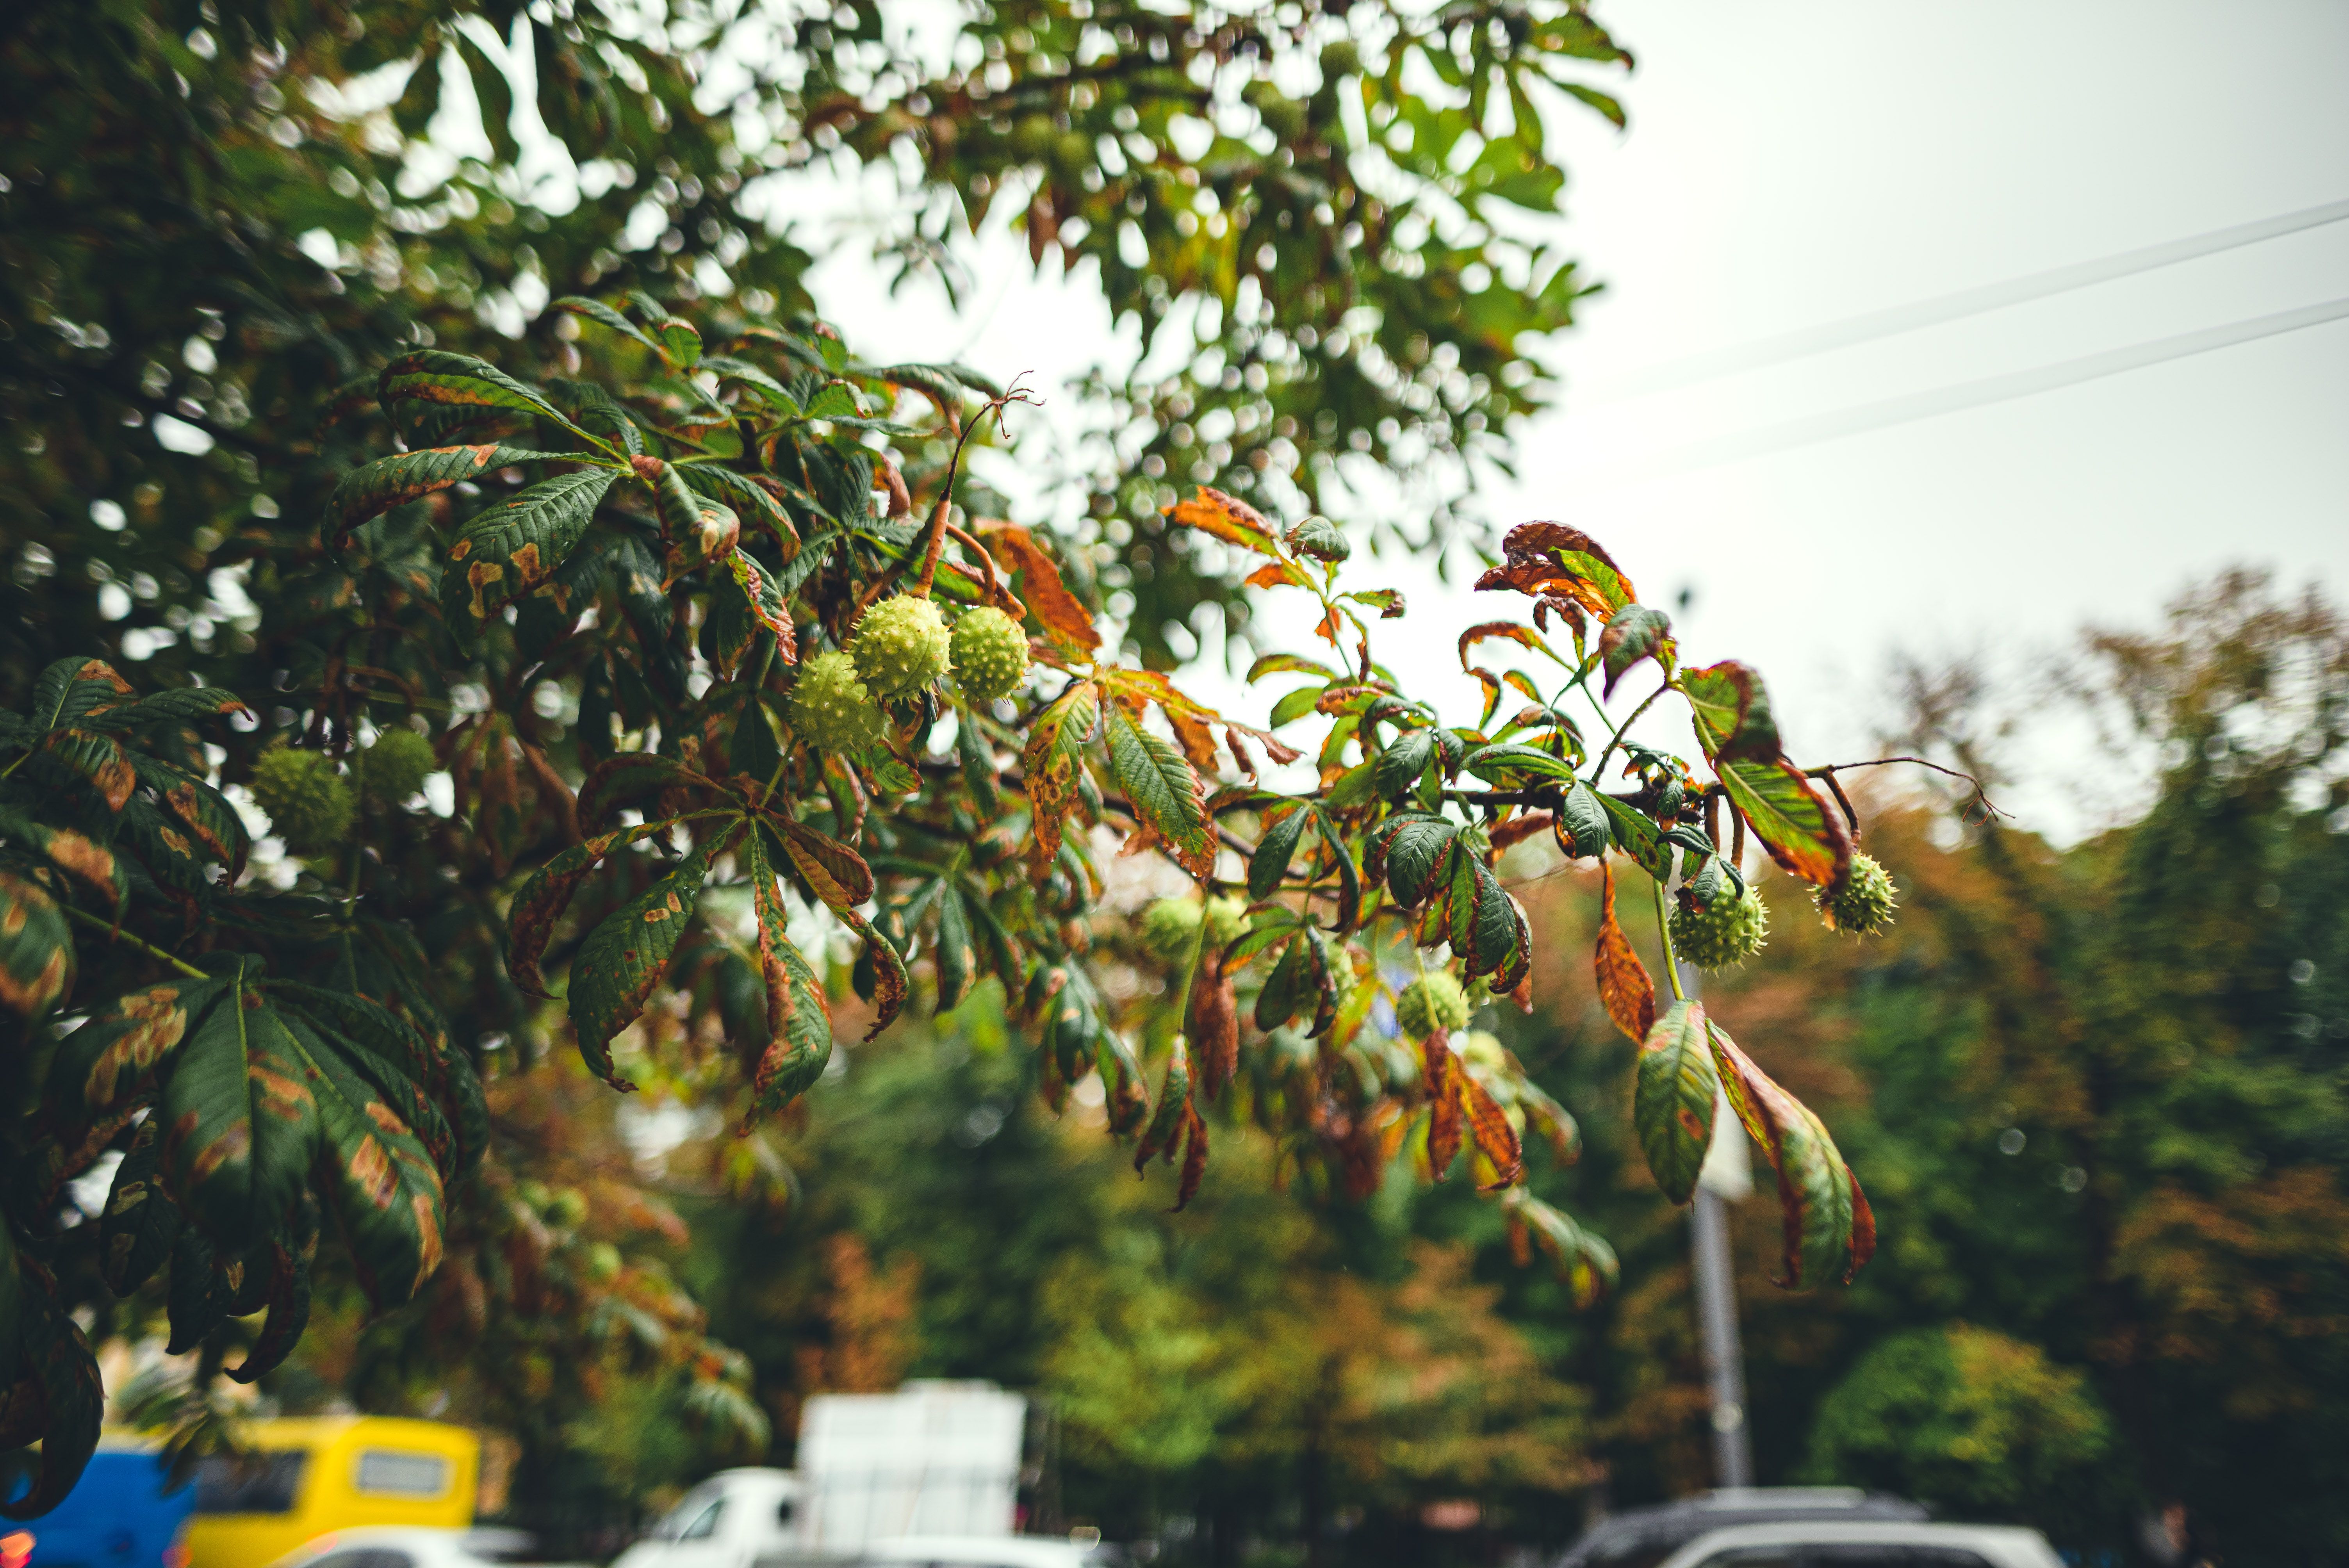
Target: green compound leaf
[(622, 959), (1829, 1230), (1672, 1108), (433, 393), (387, 482), (54, 1393), (1163, 789), (514, 546)]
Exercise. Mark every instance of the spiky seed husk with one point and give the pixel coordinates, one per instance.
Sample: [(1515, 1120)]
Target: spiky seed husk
[(1172, 924), (990, 654), (1434, 1001), (310, 805), (900, 646), (395, 767), (833, 710), (1725, 932), (1863, 904)]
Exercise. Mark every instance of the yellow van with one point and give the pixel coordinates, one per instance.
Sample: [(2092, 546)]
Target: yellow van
[(320, 1474)]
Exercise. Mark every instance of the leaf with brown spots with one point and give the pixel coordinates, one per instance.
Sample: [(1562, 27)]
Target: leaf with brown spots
[(57, 1397), (433, 393), (1830, 1230), (36, 950), (141, 1221), (622, 960), (92, 864), (1173, 1110), (210, 822), (1672, 1105), (531, 917), (1049, 599), (768, 605), (1628, 996), (837, 873), (98, 758), (510, 548), (387, 482), (1049, 763), (69, 689), (799, 1024), (106, 1064)]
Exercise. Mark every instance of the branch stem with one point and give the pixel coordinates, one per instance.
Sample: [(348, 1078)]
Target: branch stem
[(117, 934)]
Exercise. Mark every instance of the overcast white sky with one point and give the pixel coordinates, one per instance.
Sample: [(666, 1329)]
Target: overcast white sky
[(1791, 164)]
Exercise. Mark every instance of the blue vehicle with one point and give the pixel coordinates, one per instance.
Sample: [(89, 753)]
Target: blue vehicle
[(118, 1516)]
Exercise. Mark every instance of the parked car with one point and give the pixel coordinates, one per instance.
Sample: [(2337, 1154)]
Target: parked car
[(119, 1515), (316, 1474), (1644, 1537), (409, 1546), (1870, 1544), (991, 1551), (736, 1518)]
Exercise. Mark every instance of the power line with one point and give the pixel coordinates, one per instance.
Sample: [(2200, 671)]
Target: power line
[(1840, 422), (1920, 314)]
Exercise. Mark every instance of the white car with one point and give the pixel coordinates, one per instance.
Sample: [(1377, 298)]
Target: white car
[(409, 1546), (736, 1518), (990, 1551), (1875, 1543)]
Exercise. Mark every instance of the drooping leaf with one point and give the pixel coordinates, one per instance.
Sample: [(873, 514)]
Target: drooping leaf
[(1673, 1106), (512, 547), (1731, 712), (1829, 1230), (1509, 759), (1275, 847), (1635, 633), (799, 1023), (1624, 988), (1525, 636), (1399, 767), (1441, 1070), (1584, 1260), (36, 950), (1488, 1127), (287, 1257), (838, 874), (56, 1398), (141, 1221), (1806, 836), (622, 959), (958, 954), (531, 917), (1047, 598), (1414, 849), (1583, 827)]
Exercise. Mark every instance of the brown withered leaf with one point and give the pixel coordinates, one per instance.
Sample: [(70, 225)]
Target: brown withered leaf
[(1194, 1162), (1489, 1124), (1628, 996), (1214, 1023), (1523, 636), (1519, 828), (1443, 1072), (1049, 599)]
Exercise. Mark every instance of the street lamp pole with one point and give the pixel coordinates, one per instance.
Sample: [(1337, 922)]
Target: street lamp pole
[(1727, 1177)]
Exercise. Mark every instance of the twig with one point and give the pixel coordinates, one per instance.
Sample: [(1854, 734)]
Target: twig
[(986, 560), (117, 934)]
